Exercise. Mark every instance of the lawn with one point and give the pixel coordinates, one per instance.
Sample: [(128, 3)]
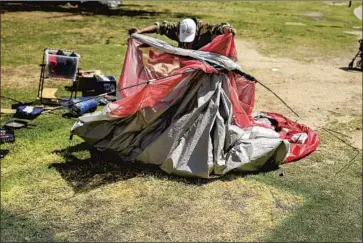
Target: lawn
[(53, 189)]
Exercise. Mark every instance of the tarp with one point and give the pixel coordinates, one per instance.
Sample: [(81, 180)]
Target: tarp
[(191, 113)]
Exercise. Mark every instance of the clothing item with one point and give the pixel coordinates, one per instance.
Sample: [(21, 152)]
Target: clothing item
[(205, 33), (187, 31)]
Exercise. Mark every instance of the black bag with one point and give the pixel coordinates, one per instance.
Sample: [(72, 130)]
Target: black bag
[(28, 112), (100, 85), (6, 136), (95, 85)]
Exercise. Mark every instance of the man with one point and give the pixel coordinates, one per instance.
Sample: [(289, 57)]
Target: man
[(190, 33)]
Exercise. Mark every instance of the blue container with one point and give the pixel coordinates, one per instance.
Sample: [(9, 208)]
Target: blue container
[(83, 105)]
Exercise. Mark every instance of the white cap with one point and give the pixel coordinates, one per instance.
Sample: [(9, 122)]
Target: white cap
[(187, 30)]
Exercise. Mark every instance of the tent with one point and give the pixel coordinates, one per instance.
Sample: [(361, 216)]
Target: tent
[(191, 113)]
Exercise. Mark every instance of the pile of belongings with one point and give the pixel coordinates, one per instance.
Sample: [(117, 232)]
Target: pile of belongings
[(191, 113), (93, 83), (62, 64)]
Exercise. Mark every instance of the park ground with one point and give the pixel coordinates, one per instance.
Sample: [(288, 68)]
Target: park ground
[(54, 190)]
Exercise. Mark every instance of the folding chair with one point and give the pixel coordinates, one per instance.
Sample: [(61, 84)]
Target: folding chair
[(59, 65)]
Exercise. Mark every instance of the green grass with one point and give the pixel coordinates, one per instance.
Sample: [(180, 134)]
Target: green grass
[(332, 210), (56, 190), (262, 22)]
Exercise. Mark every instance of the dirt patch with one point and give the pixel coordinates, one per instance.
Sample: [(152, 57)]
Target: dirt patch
[(20, 77), (85, 30), (356, 139), (337, 3), (314, 15), (25, 76), (295, 23), (311, 89), (354, 32)]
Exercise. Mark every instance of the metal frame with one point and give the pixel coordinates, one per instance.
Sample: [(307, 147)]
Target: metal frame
[(42, 76), (359, 63)]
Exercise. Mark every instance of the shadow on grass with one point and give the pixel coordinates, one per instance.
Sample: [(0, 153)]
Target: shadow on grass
[(88, 8), (106, 167), (329, 26), (16, 228)]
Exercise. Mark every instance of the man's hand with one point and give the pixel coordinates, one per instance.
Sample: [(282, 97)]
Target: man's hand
[(132, 30), (229, 30)]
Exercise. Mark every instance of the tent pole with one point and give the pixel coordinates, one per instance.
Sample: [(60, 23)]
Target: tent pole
[(278, 98)]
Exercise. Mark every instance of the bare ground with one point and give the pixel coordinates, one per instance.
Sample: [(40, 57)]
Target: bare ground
[(318, 91)]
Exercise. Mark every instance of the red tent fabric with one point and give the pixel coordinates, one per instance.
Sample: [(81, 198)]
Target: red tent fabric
[(144, 63), (153, 74), (297, 150)]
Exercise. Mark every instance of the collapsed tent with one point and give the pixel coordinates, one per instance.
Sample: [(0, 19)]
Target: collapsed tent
[(191, 113)]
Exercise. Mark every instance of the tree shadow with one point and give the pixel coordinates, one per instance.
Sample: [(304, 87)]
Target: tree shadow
[(15, 228), (105, 167), (88, 8)]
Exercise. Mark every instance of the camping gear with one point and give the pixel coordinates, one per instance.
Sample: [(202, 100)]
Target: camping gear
[(57, 64), (83, 80), (101, 84), (78, 106), (28, 112), (359, 63), (15, 124), (190, 112), (6, 136), (110, 98), (103, 101), (3, 153), (83, 105), (92, 84)]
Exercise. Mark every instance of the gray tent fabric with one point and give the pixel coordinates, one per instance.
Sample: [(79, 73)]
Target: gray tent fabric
[(210, 57), (193, 136)]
